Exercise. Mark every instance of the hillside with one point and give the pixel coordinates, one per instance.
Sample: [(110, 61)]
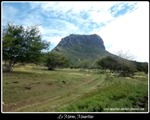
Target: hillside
[(82, 47)]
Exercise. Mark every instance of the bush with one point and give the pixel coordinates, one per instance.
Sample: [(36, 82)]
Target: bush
[(124, 67), (56, 60)]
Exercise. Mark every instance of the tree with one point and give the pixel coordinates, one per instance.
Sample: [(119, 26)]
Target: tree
[(142, 66), (126, 69), (108, 63), (56, 60), (126, 55), (126, 66), (119, 65), (21, 45), (84, 64)]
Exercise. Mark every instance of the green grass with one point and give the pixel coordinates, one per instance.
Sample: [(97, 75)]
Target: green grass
[(122, 95), (35, 89)]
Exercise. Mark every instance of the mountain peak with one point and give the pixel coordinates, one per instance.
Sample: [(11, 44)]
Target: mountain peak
[(79, 47), (92, 39), (80, 35)]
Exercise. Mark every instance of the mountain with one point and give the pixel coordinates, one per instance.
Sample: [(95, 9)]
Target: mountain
[(82, 47)]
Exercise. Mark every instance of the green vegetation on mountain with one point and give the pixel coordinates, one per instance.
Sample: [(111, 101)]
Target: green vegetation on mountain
[(82, 47)]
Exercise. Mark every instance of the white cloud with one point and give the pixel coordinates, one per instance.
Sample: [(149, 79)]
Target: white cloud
[(7, 15), (69, 26), (53, 41), (56, 20), (129, 33), (97, 11), (59, 28), (34, 5), (100, 17), (54, 35)]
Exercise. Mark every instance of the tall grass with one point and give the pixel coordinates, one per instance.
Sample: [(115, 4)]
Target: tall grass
[(117, 95), (35, 88)]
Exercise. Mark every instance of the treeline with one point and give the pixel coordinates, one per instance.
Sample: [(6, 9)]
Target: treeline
[(118, 65), (122, 66), (115, 64), (25, 45)]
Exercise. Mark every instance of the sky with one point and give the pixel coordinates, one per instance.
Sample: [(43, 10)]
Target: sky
[(123, 26)]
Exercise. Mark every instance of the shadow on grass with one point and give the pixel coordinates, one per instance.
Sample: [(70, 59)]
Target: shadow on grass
[(18, 72), (31, 71)]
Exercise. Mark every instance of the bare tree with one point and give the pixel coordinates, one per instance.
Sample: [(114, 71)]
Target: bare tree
[(126, 63), (126, 55)]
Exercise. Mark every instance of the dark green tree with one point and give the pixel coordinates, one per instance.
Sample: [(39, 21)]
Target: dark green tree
[(84, 64), (56, 60), (119, 65), (142, 66), (108, 63), (21, 45), (126, 70)]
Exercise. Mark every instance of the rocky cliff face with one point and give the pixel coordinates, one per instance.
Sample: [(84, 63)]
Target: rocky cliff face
[(81, 47), (82, 40)]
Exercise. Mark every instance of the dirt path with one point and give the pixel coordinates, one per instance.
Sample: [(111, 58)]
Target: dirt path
[(52, 104), (61, 97)]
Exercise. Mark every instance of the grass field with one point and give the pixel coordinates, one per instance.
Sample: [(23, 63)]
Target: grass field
[(35, 89)]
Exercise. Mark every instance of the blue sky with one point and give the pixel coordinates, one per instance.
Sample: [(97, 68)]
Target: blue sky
[(123, 26)]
